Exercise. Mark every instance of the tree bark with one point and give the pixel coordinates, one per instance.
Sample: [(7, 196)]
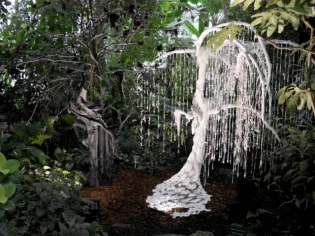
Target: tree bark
[(100, 141)]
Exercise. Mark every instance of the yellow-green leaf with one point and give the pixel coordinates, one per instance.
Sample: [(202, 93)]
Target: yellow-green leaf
[(274, 20), (295, 21), (258, 15), (23, 25), (271, 2), (280, 28), (236, 2), (247, 4), (229, 32), (292, 103), (280, 4), (292, 3), (270, 30), (284, 15), (256, 22), (302, 104), (257, 4)]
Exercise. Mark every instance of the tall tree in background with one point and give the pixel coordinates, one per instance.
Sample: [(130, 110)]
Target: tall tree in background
[(56, 50)]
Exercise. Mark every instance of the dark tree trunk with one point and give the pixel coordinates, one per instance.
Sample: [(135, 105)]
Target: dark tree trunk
[(100, 141)]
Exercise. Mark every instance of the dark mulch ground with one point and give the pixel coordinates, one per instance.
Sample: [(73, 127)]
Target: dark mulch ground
[(125, 212)]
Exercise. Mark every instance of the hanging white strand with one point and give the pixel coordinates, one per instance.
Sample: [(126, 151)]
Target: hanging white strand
[(142, 97), (164, 107), (149, 107), (158, 88)]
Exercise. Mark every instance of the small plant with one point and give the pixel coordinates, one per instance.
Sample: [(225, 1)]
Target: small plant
[(7, 187)]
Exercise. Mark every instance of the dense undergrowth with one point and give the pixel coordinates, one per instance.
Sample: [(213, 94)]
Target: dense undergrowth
[(42, 190)]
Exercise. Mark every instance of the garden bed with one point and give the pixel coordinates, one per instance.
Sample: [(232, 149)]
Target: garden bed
[(124, 210)]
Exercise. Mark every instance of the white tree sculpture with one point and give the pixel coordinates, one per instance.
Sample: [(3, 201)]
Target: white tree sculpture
[(239, 72)]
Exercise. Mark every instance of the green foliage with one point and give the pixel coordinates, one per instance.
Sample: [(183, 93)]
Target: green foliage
[(8, 166), (228, 32), (52, 207), (69, 118), (295, 97), (294, 174), (253, 223), (143, 157), (41, 199), (278, 14), (28, 154), (31, 134), (193, 29), (147, 159), (7, 187)]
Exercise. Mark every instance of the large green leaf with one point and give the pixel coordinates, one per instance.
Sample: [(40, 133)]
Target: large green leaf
[(11, 165), (68, 118), (9, 189), (256, 22), (3, 198), (304, 165), (201, 25), (292, 103), (192, 28), (8, 206), (298, 10), (2, 160), (38, 153), (270, 30)]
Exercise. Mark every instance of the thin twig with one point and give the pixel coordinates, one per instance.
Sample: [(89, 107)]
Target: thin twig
[(288, 48), (286, 202), (122, 123), (66, 107), (30, 119)]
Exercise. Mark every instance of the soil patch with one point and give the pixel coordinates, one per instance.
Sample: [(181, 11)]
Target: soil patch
[(124, 210)]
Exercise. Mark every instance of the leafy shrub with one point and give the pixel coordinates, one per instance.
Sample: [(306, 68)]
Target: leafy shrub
[(288, 188), (50, 206), (293, 176), (47, 197)]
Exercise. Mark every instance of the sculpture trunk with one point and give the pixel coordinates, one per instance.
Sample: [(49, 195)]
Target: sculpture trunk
[(183, 191)]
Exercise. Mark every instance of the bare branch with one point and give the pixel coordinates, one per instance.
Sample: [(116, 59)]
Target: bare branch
[(122, 123), (88, 48), (288, 48), (30, 119)]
